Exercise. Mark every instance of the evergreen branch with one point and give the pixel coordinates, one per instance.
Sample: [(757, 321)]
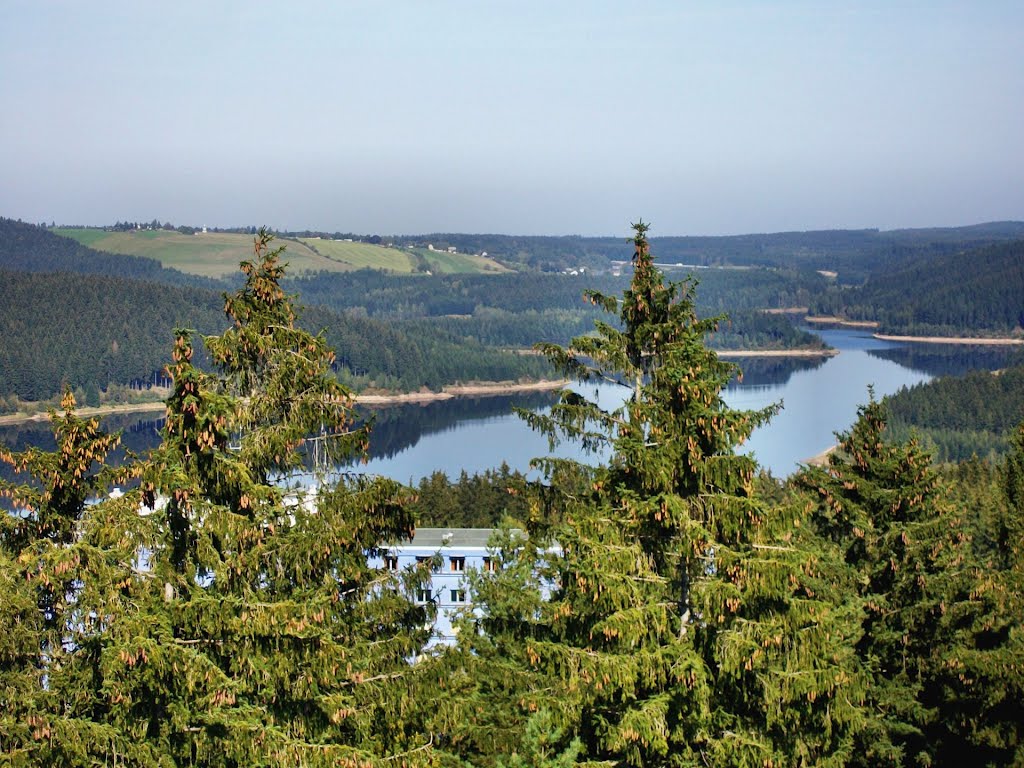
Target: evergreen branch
[(422, 748)]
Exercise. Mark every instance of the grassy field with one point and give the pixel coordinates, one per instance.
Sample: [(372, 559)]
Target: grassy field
[(450, 263), (212, 254), (361, 255), (216, 254)]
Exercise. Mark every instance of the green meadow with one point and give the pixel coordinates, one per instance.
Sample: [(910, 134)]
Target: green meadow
[(442, 262), (217, 254), (353, 255)]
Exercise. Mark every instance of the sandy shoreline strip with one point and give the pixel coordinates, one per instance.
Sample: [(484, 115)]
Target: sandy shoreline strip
[(85, 412), (833, 320), (949, 339), (777, 352), (469, 390)]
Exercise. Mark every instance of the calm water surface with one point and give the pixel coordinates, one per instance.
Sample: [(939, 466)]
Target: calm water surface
[(819, 398)]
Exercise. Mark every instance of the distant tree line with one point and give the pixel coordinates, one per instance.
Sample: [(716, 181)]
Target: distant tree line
[(961, 416), (94, 331), (481, 500), (854, 254), (519, 310), (978, 290)]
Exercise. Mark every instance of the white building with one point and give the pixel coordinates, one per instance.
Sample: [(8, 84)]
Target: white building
[(452, 552)]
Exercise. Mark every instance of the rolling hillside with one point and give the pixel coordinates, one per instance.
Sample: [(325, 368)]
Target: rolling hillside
[(978, 291), (217, 254), (214, 254), (93, 331), (444, 263), (28, 248)]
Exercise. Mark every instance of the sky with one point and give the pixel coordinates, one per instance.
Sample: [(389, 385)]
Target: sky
[(525, 117)]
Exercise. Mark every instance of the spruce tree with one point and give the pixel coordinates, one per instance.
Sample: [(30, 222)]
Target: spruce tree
[(67, 569), (979, 686), (295, 651), (681, 628), (881, 504), (215, 614)]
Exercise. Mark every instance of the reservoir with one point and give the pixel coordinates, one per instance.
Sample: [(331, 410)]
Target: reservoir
[(820, 396)]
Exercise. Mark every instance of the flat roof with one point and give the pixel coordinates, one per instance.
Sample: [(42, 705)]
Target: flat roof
[(451, 537)]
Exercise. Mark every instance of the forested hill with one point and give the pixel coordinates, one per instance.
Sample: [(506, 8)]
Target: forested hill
[(852, 253), (90, 331), (519, 310), (28, 248), (379, 295), (976, 290), (961, 416), (93, 331)]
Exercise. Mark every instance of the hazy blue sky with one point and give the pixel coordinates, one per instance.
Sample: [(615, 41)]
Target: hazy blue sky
[(547, 117)]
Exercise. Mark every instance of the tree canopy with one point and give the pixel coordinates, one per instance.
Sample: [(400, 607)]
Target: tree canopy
[(202, 605)]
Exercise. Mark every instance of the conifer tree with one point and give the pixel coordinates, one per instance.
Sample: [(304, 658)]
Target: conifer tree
[(979, 686), (681, 628), (881, 505), (212, 616), (270, 639), (66, 572)]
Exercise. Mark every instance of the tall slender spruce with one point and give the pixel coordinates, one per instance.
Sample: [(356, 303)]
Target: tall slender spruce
[(298, 652), (681, 628), (881, 505), (213, 616)]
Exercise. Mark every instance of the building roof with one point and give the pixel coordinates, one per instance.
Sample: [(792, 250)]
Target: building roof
[(451, 537)]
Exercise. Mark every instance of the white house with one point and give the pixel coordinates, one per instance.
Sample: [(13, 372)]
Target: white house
[(452, 551)]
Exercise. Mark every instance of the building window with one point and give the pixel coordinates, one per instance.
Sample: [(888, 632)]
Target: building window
[(458, 595), (390, 562), (423, 595), (458, 564), (490, 564), (427, 560)]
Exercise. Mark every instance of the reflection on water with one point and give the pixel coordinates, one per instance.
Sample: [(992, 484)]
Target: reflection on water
[(771, 371), (951, 359), (399, 427), (820, 396), (138, 435)]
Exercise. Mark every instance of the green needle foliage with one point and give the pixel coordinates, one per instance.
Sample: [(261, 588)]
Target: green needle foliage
[(682, 627), (304, 650), (212, 616), (66, 567), (882, 505), (979, 691)]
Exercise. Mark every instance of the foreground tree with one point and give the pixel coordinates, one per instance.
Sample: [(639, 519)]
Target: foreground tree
[(235, 621), (881, 505), (305, 649), (682, 626), (66, 566), (979, 687)]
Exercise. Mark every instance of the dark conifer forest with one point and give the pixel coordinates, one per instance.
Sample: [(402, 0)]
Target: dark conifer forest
[(402, 333), (669, 607)]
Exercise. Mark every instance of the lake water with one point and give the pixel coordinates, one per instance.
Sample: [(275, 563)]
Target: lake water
[(819, 397)]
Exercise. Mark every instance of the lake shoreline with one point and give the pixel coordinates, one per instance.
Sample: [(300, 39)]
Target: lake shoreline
[(468, 390), (447, 393), (838, 321), (488, 389), (994, 341), (777, 352)]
